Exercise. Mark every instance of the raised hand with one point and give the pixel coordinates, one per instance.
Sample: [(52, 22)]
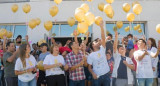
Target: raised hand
[(101, 24), (26, 37)]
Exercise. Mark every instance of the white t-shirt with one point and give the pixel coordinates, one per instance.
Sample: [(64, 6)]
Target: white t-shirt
[(144, 67), (30, 63), (50, 60), (99, 62), (154, 61)]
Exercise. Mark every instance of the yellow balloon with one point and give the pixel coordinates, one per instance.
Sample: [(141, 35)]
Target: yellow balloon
[(126, 7), (38, 21), (71, 21), (26, 8), (57, 1), (110, 1), (111, 14), (41, 41), (85, 7), (140, 30), (53, 11), (98, 19), (79, 15), (136, 28), (158, 28), (137, 9), (48, 25), (101, 6), (135, 2), (3, 32), (119, 24), (90, 0), (127, 29), (108, 9), (82, 27), (130, 17), (40, 65), (89, 18), (32, 23), (9, 34), (14, 8)]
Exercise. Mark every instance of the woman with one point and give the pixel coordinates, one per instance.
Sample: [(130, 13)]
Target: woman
[(153, 49), (54, 66), (25, 67)]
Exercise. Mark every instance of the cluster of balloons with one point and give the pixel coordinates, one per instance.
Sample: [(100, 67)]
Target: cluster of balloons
[(26, 8), (107, 9), (4, 32), (137, 9), (84, 18), (137, 27), (34, 22)]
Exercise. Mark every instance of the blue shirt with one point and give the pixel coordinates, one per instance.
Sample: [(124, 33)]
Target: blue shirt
[(122, 70), (42, 56), (130, 44)]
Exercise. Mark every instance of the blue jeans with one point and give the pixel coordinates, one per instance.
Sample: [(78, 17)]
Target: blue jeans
[(77, 83), (30, 83), (0, 76), (145, 81), (102, 80)]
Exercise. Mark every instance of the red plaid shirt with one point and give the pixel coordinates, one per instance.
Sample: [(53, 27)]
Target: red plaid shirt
[(72, 60)]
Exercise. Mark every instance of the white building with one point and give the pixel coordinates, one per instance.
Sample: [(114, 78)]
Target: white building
[(149, 17)]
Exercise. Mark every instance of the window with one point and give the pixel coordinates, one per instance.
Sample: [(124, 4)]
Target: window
[(20, 30), (122, 33), (64, 30), (16, 30)]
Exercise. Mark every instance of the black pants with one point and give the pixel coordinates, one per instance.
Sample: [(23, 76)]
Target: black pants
[(11, 81), (41, 78), (55, 80)]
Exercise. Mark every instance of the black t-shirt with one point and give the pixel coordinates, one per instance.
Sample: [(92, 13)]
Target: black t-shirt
[(122, 70)]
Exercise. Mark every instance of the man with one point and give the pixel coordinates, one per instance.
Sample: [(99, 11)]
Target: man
[(9, 59), (75, 61), (41, 79), (144, 66), (35, 51), (122, 66), (109, 44), (98, 65), (19, 40)]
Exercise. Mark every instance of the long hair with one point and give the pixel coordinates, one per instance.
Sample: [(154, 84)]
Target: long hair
[(22, 54), (153, 42)]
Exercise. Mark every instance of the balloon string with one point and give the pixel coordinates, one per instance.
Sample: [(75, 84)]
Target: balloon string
[(130, 27), (26, 24)]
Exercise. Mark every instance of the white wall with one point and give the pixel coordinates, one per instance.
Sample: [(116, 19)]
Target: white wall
[(66, 9)]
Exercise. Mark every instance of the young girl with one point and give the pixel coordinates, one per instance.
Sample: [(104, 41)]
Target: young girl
[(153, 50), (25, 67), (54, 66)]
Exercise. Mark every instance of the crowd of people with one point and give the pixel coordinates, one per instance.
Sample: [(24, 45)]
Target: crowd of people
[(102, 62)]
